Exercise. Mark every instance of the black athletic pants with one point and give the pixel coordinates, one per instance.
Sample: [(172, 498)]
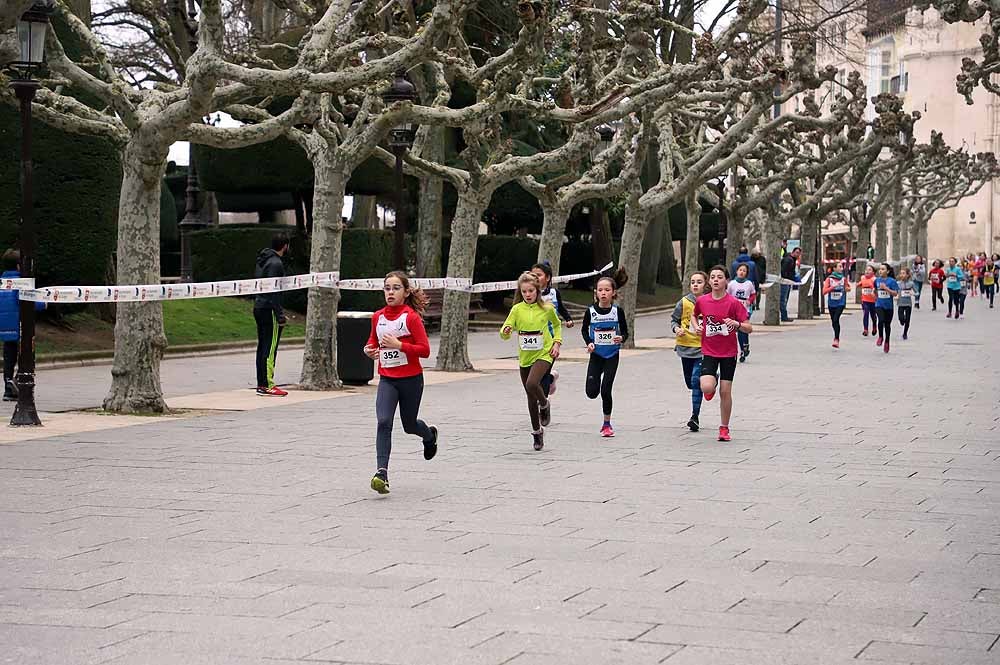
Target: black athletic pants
[(268, 336), (884, 322), (835, 313), (954, 298), (406, 394), (601, 379), (905, 312)]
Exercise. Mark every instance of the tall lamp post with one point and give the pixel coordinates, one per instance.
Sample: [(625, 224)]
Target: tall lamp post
[(31, 35), (600, 229), (192, 217), (400, 140)]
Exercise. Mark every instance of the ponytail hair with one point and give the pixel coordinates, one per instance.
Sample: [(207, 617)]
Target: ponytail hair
[(618, 279), (417, 299)]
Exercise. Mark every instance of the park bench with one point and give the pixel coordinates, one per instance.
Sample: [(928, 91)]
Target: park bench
[(435, 305)]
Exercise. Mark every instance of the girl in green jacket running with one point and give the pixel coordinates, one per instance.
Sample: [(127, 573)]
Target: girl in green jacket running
[(539, 338)]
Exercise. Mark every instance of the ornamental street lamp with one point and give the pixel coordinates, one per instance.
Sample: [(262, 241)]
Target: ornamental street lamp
[(192, 215), (31, 35), (400, 140), (600, 230)]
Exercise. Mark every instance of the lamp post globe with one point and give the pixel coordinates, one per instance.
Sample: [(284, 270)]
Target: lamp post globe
[(31, 29)]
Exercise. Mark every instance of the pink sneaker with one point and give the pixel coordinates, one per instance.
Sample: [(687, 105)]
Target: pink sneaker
[(724, 433), (836, 343), (607, 431), (878, 342), (708, 396)]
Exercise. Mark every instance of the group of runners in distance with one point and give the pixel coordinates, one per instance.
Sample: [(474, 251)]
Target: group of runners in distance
[(711, 324)]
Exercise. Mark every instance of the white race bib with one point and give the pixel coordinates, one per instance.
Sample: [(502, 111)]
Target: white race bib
[(392, 358), (713, 329), (883, 294), (906, 293), (867, 291), (531, 341), (604, 337), (953, 278), (836, 295)]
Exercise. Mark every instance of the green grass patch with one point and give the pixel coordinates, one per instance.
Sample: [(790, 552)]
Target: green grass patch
[(196, 321)]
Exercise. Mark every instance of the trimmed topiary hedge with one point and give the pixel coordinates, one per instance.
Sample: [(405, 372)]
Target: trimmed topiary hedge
[(230, 251)]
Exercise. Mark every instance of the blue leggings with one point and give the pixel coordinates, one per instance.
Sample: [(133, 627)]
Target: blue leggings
[(869, 309), (692, 378)]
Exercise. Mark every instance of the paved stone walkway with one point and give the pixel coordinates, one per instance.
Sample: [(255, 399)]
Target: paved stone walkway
[(852, 519)]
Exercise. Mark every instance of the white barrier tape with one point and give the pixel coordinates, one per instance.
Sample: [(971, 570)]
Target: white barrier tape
[(155, 292), (245, 287), (775, 279), (17, 283), (376, 283), (510, 285)]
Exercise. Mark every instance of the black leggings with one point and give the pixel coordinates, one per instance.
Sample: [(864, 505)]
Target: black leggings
[(405, 393), (905, 311), (268, 337), (601, 379), (531, 379), (954, 298), (10, 351), (835, 313), (990, 290), (884, 322), (936, 297)]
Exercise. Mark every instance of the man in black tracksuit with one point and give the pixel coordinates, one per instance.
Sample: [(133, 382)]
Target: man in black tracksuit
[(269, 315)]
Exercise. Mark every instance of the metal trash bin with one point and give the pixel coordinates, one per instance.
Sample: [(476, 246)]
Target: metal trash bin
[(353, 366)]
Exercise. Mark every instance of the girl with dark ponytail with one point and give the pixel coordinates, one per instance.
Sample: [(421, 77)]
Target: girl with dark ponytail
[(604, 331)]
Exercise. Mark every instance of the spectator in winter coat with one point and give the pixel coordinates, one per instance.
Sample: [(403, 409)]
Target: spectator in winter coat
[(10, 322), (789, 270)]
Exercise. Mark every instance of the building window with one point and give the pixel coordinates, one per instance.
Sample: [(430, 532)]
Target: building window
[(886, 67)]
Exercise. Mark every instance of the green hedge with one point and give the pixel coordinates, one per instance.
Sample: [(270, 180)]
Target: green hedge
[(76, 184), (230, 252)]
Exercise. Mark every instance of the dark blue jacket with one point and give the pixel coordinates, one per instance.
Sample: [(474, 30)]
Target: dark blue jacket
[(744, 258), (10, 315)]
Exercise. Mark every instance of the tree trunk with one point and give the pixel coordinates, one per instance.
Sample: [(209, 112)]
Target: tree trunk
[(921, 232), (600, 233), (860, 251), (881, 238), (667, 273), (364, 213), (735, 228), (692, 254), (553, 229), (453, 354), (319, 356), (808, 233), (139, 336), (429, 210), (649, 260), (629, 258), (772, 253)]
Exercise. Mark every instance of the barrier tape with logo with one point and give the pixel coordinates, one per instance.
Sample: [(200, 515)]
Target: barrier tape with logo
[(245, 287)]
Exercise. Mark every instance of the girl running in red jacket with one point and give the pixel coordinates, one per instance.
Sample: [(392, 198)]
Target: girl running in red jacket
[(398, 341)]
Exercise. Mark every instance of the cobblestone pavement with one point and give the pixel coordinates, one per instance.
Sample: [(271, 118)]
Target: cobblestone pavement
[(852, 519)]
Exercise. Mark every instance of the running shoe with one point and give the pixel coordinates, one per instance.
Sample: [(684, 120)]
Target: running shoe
[(724, 433), (607, 431), (552, 385), (431, 447), (538, 439), (948, 315), (904, 337), (836, 343), (865, 332), (743, 357), (271, 392), (380, 482), (878, 342), (708, 396), (693, 423), (545, 413), (886, 347)]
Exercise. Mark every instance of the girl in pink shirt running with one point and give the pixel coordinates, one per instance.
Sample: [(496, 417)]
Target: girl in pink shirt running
[(717, 317)]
